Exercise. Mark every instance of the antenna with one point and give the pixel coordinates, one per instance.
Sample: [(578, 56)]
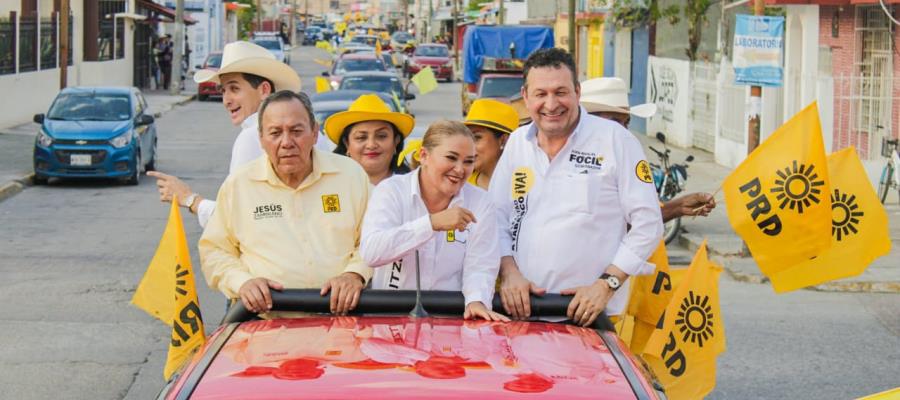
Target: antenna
[(418, 311)]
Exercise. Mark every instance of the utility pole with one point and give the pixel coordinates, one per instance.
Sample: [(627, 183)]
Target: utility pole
[(175, 80), (501, 14), (63, 43), (572, 28), (456, 35), (258, 15), (291, 22), (306, 14), (755, 97), (428, 37)]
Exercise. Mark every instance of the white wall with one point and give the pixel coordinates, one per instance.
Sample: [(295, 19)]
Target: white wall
[(801, 61), (669, 86)]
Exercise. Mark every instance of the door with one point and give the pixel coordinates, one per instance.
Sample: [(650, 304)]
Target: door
[(142, 54)]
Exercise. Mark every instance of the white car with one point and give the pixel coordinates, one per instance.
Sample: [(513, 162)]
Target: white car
[(274, 44)]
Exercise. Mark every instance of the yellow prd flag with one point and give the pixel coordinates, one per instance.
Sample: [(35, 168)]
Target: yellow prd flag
[(777, 199), (650, 294), (322, 84), (325, 45), (859, 228), (378, 48), (682, 350), (425, 80), (167, 292)]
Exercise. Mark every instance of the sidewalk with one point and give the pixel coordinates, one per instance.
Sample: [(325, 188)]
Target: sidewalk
[(17, 142), (883, 275)]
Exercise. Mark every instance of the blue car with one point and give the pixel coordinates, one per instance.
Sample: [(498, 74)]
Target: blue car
[(102, 132)]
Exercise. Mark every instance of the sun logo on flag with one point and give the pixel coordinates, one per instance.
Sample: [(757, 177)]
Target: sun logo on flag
[(695, 319), (845, 215), (180, 280), (797, 187)]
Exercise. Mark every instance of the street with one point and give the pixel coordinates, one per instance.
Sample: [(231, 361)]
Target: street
[(73, 252)]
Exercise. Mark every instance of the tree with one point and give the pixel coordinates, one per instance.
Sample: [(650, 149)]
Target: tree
[(246, 18), (637, 13)]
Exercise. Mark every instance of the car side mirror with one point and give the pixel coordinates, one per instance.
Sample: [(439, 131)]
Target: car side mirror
[(38, 118), (144, 119), (410, 96), (661, 137), (325, 73), (198, 66)]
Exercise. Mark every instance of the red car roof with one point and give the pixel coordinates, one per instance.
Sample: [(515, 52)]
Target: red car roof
[(404, 358)]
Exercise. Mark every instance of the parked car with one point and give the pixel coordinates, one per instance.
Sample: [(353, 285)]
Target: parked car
[(385, 353), (353, 63), (205, 89), (377, 81), (95, 132), (274, 45), (436, 56), (327, 103)]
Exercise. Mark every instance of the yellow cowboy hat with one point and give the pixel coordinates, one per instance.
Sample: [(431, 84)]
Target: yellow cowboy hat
[(367, 107), (493, 114)]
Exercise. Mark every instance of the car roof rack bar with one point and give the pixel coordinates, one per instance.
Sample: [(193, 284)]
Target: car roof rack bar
[(399, 302)]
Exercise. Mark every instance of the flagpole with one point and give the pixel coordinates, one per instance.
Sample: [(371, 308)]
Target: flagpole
[(755, 111)]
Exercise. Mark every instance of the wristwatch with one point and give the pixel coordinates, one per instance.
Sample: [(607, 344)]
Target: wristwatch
[(188, 201), (611, 280)]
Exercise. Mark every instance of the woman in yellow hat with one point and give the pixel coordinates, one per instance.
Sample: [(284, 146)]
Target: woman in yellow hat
[(370, 133), (492, 122)]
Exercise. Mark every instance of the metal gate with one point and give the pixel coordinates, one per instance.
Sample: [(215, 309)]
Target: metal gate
[(703, 105), (143, 55)]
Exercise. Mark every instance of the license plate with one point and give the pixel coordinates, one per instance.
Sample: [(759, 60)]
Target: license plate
[(80, 159)]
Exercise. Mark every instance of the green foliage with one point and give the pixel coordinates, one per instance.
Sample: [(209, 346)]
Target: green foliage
[(475, 5), (246, 19), (639, 13)]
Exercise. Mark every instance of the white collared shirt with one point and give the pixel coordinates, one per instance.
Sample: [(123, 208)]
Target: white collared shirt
[(565, 221), (246, 148), (397, 223)]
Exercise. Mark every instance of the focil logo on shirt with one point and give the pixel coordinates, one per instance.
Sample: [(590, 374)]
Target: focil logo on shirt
[(586, 160), (267, 211)]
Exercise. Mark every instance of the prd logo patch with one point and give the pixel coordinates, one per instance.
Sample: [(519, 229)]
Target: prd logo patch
[(642, 170), (845, 214), (797, 187), (695, 319), (331, 203)]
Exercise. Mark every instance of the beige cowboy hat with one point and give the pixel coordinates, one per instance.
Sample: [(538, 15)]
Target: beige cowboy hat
[(611, 95), (253, 59), (367, 107)]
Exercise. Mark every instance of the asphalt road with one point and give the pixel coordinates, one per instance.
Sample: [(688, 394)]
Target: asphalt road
[(72, 253)]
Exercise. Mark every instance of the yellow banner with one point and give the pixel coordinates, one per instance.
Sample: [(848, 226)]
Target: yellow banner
[(859, 228), (378, 49), (322, 84), (777, 199), (425, 80), (167, 292), (682, 350)]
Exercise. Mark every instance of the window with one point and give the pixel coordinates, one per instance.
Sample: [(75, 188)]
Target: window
[(104, 34), (7, 46), (874, 65)]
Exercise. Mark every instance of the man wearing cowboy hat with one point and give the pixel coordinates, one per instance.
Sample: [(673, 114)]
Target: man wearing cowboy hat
[(566, 188), (249, 73), (288, 219), (608, 98)]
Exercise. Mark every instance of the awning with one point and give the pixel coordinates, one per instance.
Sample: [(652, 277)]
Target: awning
[(165, 11)]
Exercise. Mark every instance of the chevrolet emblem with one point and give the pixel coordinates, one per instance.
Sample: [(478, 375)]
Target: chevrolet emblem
[(80, 142)]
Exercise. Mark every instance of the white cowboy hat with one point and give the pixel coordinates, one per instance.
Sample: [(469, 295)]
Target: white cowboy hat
[(611, 95), (253, 59)]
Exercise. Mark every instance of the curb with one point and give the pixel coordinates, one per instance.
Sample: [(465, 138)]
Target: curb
[(15, 186), (729, 263)]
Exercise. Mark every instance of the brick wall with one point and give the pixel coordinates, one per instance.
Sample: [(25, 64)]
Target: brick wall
[(845, 52)]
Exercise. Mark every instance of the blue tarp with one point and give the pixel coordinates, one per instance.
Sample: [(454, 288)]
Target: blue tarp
[(493, 41)]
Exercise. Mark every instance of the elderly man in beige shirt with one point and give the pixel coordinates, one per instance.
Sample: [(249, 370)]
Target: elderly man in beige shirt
[(289, 219)]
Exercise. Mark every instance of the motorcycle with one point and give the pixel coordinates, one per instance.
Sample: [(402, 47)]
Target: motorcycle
[(669, 180)]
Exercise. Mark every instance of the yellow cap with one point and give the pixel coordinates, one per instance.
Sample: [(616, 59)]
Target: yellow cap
[(367, 107), (493, 114)]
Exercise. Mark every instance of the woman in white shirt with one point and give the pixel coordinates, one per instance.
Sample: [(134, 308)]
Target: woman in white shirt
[(434, 212), (372, 135)]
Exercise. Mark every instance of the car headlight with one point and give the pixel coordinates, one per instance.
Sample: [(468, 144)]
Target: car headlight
[(44, 139), (121, 140), (335, 85)]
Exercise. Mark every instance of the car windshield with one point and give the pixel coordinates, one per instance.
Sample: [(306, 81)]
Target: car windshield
[(388, 60), (501, 87), (214, 61), (368, 41), (431, 51), (91, 107), (373, 83), (402, 37), (269, 44), (364, 64)]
